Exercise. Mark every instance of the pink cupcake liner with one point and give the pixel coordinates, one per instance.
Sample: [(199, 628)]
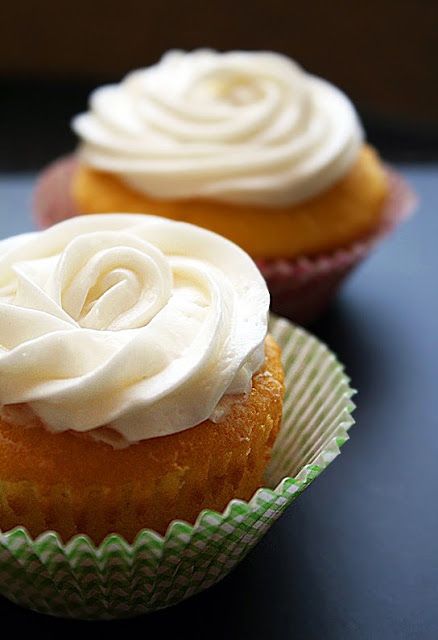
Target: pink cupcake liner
[(302, 288), (52, 200)]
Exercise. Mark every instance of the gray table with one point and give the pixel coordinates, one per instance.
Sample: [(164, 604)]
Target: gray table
[(357, 556)]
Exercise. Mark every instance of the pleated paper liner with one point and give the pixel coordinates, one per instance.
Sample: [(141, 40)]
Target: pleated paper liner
[(117, 579), (52, 200), (301, 289)]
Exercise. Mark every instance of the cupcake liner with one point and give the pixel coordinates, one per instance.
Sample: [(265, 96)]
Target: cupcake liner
[(301, 289), (117, 579), (52, 200)]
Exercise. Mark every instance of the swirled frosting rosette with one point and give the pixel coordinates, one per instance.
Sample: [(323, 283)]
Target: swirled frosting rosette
[(239, 127), (129, 321)]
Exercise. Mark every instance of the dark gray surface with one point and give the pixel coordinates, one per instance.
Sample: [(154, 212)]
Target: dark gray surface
[(357, 556)]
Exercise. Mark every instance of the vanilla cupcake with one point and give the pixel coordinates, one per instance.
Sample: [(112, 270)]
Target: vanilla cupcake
[(246, 144), (138, 383)]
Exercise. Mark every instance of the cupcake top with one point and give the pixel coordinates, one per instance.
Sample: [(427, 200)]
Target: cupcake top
[(239, 127), (132, 322)]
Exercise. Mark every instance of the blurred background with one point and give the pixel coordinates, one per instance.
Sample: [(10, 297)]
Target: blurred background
[(383, 53)]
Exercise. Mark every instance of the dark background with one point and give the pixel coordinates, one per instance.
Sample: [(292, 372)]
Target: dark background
[(380, 51), (383, 53), (356, 557)]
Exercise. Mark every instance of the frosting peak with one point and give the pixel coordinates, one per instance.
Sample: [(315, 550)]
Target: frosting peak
[(241, 127), (128, 321)]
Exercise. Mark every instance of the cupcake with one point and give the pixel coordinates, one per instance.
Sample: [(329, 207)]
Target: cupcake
[(138, 382), (245, 144), (141, 396)]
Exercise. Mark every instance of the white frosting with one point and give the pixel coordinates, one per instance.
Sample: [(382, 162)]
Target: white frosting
[(131, 321), (240, 127)]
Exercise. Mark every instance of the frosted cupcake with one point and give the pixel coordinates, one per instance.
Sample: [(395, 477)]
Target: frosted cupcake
[(245, 144), (138, 383)]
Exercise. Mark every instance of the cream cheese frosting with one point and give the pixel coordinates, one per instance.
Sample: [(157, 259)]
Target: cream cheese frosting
[(134, 322), (239, 127)]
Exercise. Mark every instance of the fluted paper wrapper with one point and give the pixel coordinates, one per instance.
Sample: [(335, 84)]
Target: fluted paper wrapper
[(302, 288), (117, 579)]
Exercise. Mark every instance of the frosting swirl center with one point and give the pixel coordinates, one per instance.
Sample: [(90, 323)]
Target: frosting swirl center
[(112, 281)]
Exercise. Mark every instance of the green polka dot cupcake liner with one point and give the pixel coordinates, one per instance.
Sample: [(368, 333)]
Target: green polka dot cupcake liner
[(116, 579)]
